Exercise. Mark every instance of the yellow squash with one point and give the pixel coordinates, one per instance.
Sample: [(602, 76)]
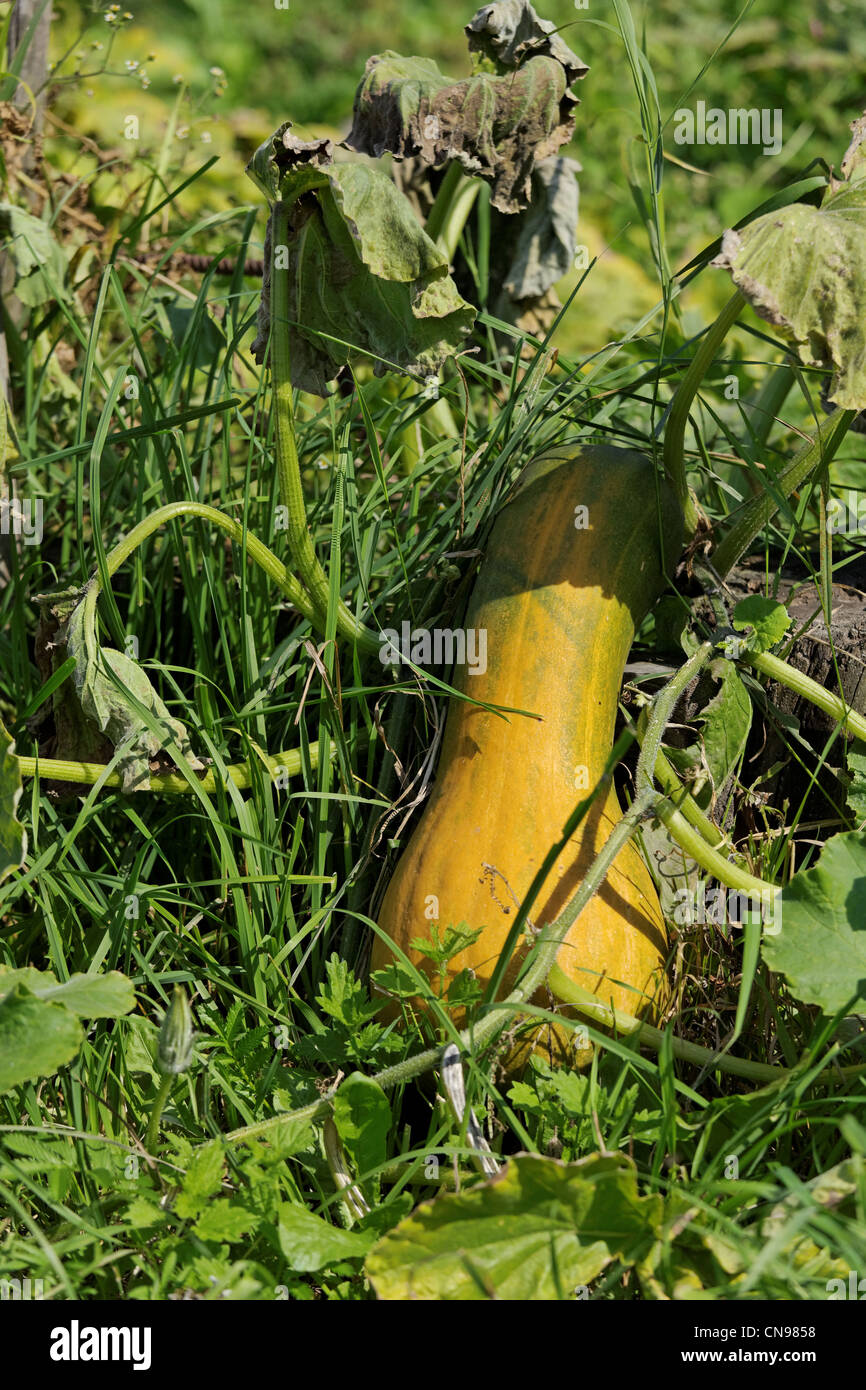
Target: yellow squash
[(572, 566)]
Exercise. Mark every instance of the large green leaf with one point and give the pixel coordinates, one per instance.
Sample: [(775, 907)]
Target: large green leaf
[(308, 1242), (13, 837), (362, 1117), (364, 277), (496, 127), (804, 270), (39, 1027), (536, 1231), (88, 996), (36, 1037), (820, 947)]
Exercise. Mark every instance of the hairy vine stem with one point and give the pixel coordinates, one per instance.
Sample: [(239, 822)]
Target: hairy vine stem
[(257, 551), (778, 670), (301, 549), (289, 761)]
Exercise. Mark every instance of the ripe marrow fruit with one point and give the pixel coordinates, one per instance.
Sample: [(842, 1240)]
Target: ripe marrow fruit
[(573, 564)]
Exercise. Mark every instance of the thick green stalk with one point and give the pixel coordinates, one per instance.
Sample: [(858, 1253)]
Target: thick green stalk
[(689, 837), (591, 1007), (673, 453), (172, 783), (301, 548), (671, 785), (760, 510), (715, 864), (778, 670), (257, 551), (662, 709), (451, 208)]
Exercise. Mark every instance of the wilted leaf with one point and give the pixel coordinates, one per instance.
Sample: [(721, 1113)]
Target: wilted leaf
[(36, 1037), (534, 1232), (108, 702), (13, 837), (821, 945), (689, 1259), (529, 254), (804, 270), (834, 1190), (509, 32), (768, 619), (39, 262), (496, 128), (88, 996), (308, 1242), (364, 277)]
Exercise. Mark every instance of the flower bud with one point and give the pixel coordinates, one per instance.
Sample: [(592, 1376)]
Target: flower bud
[(174, 1052)]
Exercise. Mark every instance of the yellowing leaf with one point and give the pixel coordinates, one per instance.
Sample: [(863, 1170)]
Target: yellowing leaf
[(536, 1231)]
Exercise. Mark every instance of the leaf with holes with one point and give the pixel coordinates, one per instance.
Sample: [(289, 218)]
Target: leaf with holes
[(803, 269)]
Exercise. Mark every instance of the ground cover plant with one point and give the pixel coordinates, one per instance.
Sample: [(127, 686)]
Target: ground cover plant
[(266, 440)]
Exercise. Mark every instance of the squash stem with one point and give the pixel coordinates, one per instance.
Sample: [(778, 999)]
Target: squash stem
[(673, 453), (691, 838), (626, 1025), (662, 709), (257, 551), (451, 208), (671, 785), (716, 865), (778, 670), (301, 549), (289, 761)]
